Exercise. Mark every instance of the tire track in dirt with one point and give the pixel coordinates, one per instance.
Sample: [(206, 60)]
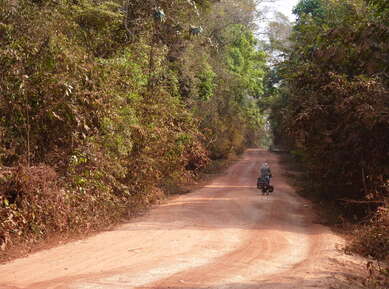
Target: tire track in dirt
[(224, 235)]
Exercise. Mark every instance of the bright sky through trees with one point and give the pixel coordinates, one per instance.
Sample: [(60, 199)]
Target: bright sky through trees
[(283, 6), (269, 7)]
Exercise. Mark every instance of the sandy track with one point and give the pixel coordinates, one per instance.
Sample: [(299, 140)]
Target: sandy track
[(224, 235)]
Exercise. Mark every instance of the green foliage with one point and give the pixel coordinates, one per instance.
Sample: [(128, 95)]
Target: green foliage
[(233, 119), (206, 86), (332, 103), (335, 97), (310, 8), (245, 60), (98, 17), (101, 106)]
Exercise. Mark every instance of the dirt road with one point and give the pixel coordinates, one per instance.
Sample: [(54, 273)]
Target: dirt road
[(224, 235)]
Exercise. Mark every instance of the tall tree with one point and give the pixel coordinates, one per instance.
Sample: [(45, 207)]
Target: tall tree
[(337, 96)]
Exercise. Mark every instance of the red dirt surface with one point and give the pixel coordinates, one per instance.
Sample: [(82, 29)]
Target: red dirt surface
[(223, 235)]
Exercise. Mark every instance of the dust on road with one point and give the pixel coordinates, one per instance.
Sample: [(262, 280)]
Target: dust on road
[(224, 235)]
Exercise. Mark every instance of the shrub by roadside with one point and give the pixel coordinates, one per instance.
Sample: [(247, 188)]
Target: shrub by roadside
[(372, 239), (369, 239)]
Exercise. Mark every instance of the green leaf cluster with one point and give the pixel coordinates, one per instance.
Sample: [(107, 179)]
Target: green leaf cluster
[(336, 89), (101, 105)]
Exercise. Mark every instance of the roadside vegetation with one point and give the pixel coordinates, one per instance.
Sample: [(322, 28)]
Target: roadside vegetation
[(330, 106), (105, 105)]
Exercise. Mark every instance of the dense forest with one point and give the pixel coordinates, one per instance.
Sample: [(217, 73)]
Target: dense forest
[(105, 105), (330, 106)]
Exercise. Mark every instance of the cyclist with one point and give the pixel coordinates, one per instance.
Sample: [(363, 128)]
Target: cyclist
[(265, 171)]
